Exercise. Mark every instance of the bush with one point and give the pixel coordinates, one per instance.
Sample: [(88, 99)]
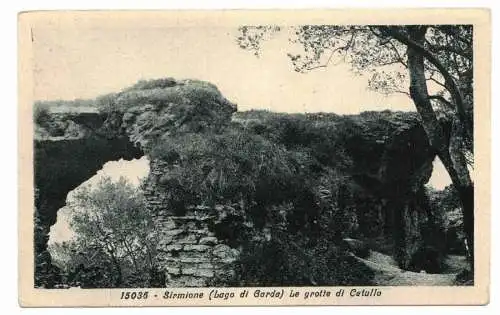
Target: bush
[(321, 135), (115, 240), (107, 103), (230, 167), (152, 84), (446, 208), (41, 113), (163, 93), (295, 262)]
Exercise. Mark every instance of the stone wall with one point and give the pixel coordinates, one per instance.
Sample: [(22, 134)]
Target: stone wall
[(189, 252)]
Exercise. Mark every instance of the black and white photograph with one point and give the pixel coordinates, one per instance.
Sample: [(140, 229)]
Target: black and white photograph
[(183, 154)]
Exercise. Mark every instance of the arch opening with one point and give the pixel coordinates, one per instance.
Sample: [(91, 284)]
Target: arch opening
[(68, 150), (133, 171)]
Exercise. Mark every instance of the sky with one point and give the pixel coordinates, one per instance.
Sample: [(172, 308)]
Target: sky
[(74, 59), (74, 62)]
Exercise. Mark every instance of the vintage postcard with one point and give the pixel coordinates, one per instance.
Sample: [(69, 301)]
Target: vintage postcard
[(321, 157)]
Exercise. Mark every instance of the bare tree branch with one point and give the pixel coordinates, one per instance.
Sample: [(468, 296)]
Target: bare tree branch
[(401, 59), (403, 92), (341, 48), (431, 78)]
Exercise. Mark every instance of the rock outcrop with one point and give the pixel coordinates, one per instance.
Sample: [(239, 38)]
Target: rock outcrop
[(388, 159)]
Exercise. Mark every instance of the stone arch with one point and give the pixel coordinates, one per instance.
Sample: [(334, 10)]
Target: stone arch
[(62, 163)]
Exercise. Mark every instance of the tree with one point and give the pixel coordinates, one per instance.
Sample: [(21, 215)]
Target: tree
[(115, 239), (409, 59)]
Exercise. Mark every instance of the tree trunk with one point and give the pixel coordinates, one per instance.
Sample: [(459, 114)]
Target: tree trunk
[(449, 153), (466, 188), (118, 268), (130, 253), (416, 42)]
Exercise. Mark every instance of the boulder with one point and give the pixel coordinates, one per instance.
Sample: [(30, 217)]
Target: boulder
[(357, 247)]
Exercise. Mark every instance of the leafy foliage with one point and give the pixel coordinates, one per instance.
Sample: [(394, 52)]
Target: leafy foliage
[(161, 93), (295, 262), (229, 167), (446, 205), (41, 113), (150, 109), (252, 36), (115, 239)]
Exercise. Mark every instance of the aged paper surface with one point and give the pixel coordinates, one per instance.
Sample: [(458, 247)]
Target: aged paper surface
[(80, 56)]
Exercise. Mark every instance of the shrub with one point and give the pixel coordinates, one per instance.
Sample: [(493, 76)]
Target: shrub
[(107, 103), (115, 241), (321, 135), (162, 93), (224, 168), (41, 113), (152, 84), (295, 262)]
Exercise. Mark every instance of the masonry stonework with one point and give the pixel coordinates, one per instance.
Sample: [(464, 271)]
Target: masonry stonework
[(189, 252)]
